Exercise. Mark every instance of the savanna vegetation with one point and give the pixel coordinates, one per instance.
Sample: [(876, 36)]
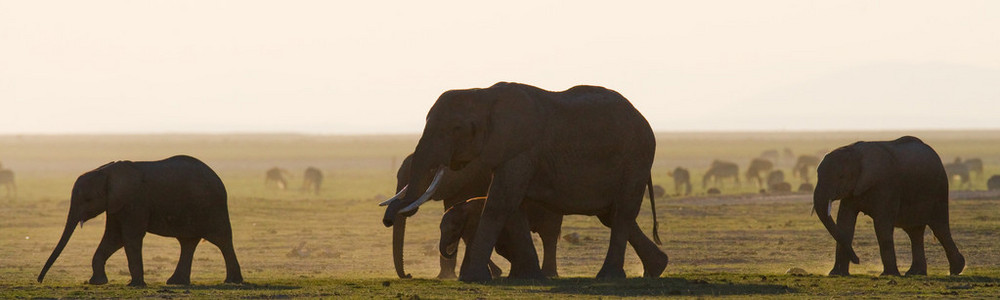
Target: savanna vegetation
[(293, 243)]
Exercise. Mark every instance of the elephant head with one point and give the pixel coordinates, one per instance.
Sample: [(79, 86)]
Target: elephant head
[(105, 189), (454, 187), (849, 171), (487, 126), (459, 221)]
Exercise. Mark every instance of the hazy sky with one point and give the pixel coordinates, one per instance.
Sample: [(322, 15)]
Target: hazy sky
[(346, 67)]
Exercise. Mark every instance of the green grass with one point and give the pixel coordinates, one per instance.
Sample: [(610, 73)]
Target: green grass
[(738, 245)]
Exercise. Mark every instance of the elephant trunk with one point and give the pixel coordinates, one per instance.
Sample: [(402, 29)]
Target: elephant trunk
[(398, 234), (823, 207), (67, 232), (449, 249)]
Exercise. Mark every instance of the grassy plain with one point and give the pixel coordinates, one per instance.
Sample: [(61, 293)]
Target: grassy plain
[(739, 244)]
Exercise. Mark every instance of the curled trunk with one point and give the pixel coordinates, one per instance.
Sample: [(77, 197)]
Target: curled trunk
[(67, 232), (449, 249)]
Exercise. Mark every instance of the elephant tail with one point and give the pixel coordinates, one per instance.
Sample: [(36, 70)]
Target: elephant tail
[(652, 206)]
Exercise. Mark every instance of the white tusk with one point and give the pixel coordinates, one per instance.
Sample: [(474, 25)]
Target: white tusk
[(427, 195), (401, 193), (829, 208)]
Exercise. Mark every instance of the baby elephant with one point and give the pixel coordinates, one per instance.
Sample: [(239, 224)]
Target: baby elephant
[(898, 183), (178, 197), (461, 221)]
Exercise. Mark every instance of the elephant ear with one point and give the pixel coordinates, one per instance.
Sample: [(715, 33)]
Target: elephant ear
[(876, 164), (513, 126), (123, 183)]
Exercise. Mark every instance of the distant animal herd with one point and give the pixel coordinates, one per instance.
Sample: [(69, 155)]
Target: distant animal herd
[(513, 159)]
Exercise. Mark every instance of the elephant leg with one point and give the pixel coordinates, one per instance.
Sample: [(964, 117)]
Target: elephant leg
[(886, 246), (847, 217), (510, 182), (182, 274), (225, 244), (495, 270), (110, 243), (447, 268), (623, 220), (523, 256), (654, 261), (550, 239), (133, 251), (919, 264), (942, 231)]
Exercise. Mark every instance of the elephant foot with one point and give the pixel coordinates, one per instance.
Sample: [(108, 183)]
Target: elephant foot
[(481, 274), (495, 271), (606, 273), (98, 280), (526, 273), (137, 283), (916, 272), (959, 266), (178, 280), (238, 279), (890, 273), (653, 268), (836, 272), (447, 275), (550, 273)]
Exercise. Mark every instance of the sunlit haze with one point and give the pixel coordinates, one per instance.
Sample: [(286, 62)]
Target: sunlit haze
[(366, 67)]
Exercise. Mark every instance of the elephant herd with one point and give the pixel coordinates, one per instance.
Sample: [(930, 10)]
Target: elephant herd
[(513, 159)]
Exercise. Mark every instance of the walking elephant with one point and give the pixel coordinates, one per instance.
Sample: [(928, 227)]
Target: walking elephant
[(721, 170), (456, 187), (682, 181), (585, 151), (898, 183), (178, 197)]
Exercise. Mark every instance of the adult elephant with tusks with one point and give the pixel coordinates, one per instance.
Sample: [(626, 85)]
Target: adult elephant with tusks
[(899, 183), (177, 197), (453, 187), (585, 151)]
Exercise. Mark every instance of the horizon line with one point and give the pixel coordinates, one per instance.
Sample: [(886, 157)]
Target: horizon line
[(302, 133)]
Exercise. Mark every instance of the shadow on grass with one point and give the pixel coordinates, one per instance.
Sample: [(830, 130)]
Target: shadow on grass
[(647, 287), (230, 287)]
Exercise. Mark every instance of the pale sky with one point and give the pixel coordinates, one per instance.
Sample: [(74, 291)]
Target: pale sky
[(361, 67)]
